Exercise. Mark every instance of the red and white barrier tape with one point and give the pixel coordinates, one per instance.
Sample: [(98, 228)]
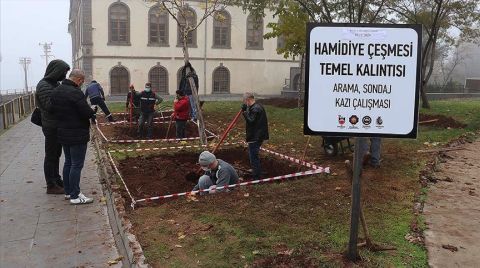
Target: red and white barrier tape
[(155, 121), (122, 113), (121, 178), (293, 175), (101, 133), (295, 160), (157, 140), (167, 148)]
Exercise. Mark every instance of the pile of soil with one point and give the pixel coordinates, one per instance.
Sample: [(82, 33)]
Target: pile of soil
[(124, 132), (281, 102), (168, 174), (441, 121)]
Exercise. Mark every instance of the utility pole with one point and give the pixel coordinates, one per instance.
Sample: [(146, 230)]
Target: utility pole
[(47, 48), (25, 62)]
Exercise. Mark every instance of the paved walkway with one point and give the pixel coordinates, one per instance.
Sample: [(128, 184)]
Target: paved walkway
[(452, 211), (40, 230)]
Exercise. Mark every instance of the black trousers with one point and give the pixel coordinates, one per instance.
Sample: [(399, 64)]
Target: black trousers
[(99, 101), (180, 128), (53, 151)]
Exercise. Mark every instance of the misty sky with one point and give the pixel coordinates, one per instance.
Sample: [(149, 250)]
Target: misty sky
[(24, 24)]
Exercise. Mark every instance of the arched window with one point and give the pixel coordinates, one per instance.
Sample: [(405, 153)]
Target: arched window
[(254, 32), (296, 81), (188, 16), (119, 80), (158, 76), (221, 29), (157, 27), (221, 80), (119, 24), (280, 39)]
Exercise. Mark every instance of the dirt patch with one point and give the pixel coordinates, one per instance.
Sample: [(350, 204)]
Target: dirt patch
[(281, 102), (439, 121), (286, 261), (125, 132), (166, 174)]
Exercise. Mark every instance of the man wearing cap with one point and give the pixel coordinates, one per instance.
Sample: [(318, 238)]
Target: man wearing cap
[(218, 173), (148, 100)]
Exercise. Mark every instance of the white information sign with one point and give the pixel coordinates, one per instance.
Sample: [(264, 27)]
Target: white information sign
[(362, 80)]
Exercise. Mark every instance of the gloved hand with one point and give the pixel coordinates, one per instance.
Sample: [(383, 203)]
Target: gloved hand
[(244, 107), (94, 108), (93, 120)]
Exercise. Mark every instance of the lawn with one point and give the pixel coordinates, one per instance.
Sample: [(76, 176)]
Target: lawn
[(297, 223)]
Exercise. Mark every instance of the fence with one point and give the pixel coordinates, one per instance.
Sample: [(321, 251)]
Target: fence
[(15, 109)]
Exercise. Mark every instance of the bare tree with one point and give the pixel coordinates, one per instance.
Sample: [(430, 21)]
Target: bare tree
[(448, 64), (180, 11)]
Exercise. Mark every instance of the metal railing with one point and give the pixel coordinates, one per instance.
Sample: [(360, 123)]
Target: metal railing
[(15, 109)]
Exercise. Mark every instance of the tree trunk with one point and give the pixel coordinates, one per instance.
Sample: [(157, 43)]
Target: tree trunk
[(201, 123), (301, 81)]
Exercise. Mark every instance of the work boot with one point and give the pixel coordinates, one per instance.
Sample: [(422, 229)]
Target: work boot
[(59, 182), (110, 118), (55, 189)]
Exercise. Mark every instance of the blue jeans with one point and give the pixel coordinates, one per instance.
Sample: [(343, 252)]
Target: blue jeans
[(141, 122), (375, 148), (193, 108), (253, 150), (72, 169)]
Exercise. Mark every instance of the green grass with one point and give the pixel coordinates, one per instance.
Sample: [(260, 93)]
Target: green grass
[(309, 215)]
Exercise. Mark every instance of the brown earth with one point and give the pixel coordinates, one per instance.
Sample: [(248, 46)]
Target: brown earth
[(281, 102), (125, 132), (168, 174), (439, 121), (452, 210)]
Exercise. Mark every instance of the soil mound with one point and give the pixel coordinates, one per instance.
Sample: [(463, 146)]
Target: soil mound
[(437, 120)]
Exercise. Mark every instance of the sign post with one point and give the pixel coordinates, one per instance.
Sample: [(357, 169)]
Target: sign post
[(362, 80)]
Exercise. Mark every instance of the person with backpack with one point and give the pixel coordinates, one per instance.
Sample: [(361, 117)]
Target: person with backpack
[(148, 100)]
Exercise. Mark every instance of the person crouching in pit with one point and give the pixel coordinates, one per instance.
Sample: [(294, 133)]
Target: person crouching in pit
[(217, 173)]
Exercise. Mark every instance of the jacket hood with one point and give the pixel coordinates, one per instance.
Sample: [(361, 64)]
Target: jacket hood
[(56, 70)]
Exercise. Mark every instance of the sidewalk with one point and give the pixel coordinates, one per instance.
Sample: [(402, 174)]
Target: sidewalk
[(40, 230)]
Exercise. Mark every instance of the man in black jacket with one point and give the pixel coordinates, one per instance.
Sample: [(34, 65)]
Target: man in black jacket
[(148, 100), (73, 113), (256, 130), (56, 71)]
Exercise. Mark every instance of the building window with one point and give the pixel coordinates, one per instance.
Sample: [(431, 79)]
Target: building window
[(221, 29), (119, 24), (157, 27), (221, 80), (254, 32), (280, 39), (187, 18), (119, 80), (158, 76)]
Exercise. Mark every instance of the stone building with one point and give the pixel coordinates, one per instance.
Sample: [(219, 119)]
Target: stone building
[(123, 42)]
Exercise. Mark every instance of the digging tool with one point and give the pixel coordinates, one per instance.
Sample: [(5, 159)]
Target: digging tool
[(224, 135), (369, 244), (304, 153), (169, 125)]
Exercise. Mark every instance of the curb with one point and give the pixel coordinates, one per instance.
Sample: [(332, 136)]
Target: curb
[(127, 243)]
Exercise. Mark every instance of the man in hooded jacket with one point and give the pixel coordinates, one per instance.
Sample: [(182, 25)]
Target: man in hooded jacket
[(56, 72)]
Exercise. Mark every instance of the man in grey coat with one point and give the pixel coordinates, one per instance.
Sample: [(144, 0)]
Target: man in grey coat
[(56, 72)]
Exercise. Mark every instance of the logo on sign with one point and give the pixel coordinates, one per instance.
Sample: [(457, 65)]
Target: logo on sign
[(341, 121), (366, 120), (379, 122), (353, 119)]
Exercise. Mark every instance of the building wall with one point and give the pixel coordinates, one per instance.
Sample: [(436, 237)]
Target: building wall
[(261, 70)]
